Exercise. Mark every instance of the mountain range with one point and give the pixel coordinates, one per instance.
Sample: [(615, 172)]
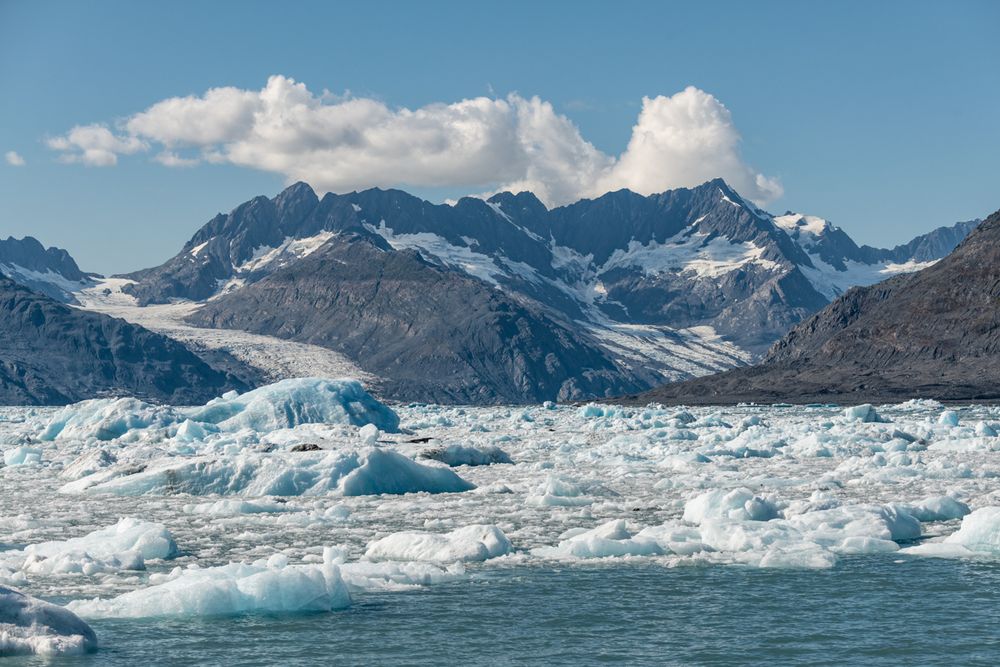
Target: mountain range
[(505, 300), (930, 334)]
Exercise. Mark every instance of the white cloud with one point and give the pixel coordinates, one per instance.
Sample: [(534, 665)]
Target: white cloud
[(345, 143), (14, 159), (95, 145), (684, 139)]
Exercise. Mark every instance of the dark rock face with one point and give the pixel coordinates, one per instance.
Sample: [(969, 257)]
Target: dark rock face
[(930, 334), (428, 331), (45, 270), (54, 354)]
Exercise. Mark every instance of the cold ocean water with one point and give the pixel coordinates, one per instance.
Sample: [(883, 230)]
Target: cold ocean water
[(306, 523), (868, 610)]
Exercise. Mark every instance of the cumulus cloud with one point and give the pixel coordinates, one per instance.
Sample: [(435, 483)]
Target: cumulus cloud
[(346, 143), (14, 159), (95, 145)]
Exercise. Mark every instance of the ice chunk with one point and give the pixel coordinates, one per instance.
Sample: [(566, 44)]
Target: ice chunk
[(938, 508), (471, 543), (558, 492), (23, 455), (863, 413), (389, 472), (979, 532), (461, 455), (288, 403), (88, 463), (238, 588), (106, 419), (611, 539), (948, 418), (985, 430), (736, 505), (368, 434), (230, 507), (32, 626), (123, 546)]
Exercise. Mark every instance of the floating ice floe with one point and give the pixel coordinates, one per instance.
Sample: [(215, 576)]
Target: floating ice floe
[(471, 543), (32, 626), (979, 535), (238, 588), (127, 545), (350, 473)]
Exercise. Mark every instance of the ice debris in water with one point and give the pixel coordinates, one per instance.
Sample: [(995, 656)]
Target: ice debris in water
[(270, 585), (795, 487), (471, 543), (32, 626), (284, 404)]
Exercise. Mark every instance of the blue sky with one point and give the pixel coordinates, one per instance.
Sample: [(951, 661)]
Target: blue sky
[(881, 117)]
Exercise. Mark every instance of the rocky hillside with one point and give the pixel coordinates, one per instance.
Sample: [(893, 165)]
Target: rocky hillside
[(934, 333), (429, 332), (54, 354)]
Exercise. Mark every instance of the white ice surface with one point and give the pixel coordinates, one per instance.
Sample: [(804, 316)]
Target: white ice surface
[(748, 486)]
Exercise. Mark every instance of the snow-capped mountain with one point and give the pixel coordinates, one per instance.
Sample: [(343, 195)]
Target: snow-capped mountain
[(933, 333), (51, 271), (582, 300)]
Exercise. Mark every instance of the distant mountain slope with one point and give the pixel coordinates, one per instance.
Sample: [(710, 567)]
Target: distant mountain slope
[(426, 331), (933, 334), (51, 271), (54, 354), (665, 287)]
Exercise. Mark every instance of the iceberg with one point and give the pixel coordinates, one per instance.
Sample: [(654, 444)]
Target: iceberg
[(32, 626), (288, 403), (283, 404)]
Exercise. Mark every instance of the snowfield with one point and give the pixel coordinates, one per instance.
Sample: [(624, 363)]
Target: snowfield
[(306, 494)]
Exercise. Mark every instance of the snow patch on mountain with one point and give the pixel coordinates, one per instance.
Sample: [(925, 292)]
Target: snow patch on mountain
[(687, 253), (290, 250)]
